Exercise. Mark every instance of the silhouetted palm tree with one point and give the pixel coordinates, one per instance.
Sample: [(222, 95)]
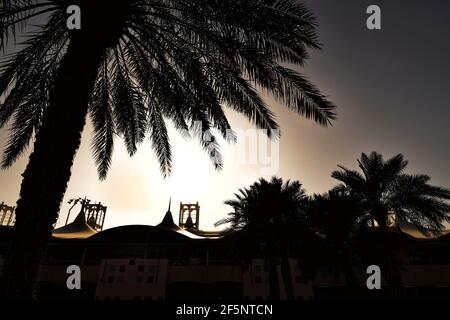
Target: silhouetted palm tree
[(271, 221), (134, 64), (336, 216), (385, 191)]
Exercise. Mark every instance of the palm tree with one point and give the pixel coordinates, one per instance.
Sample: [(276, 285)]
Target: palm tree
[(133, 65), (387, 194), (336, 216), (270, 222), (385, 191)]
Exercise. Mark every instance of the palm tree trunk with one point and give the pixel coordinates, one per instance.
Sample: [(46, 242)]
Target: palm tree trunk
[(287, 275), (381, 217), (389, 265), (49, 168), (382, 223), (348, 269), (274, 283)]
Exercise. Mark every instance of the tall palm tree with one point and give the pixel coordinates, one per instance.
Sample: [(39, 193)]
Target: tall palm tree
[(270, 219), (385, 191), (133, 65)]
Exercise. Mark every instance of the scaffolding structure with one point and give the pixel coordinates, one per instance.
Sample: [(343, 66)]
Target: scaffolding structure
[(7, 215), (95, 215), (189, 216)]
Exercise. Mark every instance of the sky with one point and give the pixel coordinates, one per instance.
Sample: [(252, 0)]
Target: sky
[(391, 87)]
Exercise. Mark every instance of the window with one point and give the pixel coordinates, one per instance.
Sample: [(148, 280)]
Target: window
[(132, 262), (148, 298), (150, 279), (141, 268), (120, 279), (299, 298), (111, 279), (122, 268)]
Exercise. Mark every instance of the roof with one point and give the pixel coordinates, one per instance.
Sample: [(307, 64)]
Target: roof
[(139, 234), (168, 222), (166, 231), (78, 229), (413, 231)]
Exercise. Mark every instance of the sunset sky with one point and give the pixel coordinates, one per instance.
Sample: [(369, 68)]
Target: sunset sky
[(392, 92)]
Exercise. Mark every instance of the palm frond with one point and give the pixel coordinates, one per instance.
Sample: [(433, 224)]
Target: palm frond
[(178, 61), (103, 122)]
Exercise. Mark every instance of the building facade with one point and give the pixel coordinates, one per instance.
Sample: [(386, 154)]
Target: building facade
[(166, 262)]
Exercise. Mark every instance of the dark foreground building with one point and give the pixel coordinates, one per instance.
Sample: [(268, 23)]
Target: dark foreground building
[(166, 262)]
